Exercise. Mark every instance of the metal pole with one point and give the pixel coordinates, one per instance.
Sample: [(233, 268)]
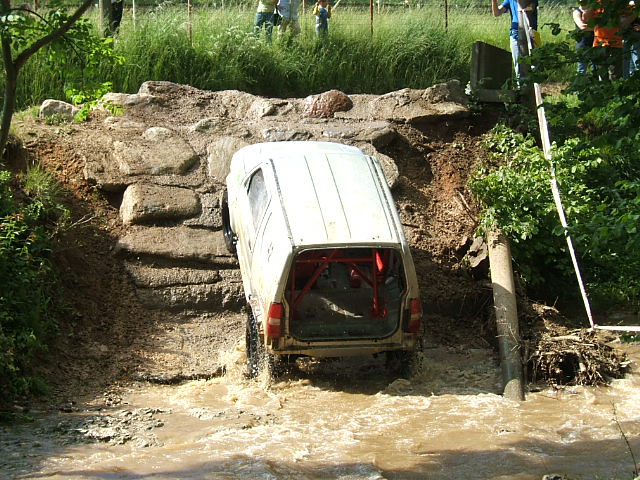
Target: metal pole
[(504, 300), (371, 16), (133, 13), (190, 25)]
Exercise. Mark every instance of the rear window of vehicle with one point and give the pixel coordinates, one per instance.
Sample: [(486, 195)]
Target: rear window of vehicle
[(346, 293)]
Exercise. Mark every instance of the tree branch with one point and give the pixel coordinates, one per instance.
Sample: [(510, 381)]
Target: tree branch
[(37, 45)]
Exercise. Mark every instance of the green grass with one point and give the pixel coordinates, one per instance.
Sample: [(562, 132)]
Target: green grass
[(28, 299), (409, 48)]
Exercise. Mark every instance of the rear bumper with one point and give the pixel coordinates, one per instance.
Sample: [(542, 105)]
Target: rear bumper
[(340, 349)]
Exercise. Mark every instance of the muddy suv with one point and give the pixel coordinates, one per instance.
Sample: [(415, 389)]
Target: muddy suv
[(325, 266)]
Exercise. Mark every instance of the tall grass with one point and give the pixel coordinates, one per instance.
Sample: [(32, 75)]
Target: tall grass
[(408, 48)]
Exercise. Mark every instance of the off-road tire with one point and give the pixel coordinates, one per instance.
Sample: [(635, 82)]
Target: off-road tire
[(400, 362), (255, 348), (230, 238), (258, 359)]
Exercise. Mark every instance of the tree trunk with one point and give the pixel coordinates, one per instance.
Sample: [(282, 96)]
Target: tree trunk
[(8, 107), (106, 17), (9, 103)]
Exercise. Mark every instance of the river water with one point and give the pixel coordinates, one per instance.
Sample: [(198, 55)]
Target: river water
[(346, 419)]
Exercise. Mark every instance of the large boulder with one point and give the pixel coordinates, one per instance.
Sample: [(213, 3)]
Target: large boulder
[(145, 203), (325, 105), (219, 155), (378, 134), (124, 100), (408, 105), (59, 109), (177, 244), (158, 151), (389, 167)]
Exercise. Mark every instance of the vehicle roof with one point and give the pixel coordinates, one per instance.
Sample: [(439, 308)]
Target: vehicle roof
[(330, 193)]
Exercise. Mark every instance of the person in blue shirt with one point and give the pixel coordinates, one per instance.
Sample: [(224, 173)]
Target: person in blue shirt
[(530, 7), (322, 11)]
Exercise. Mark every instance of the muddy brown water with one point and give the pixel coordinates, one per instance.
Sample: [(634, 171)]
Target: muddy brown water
[(345, 419)]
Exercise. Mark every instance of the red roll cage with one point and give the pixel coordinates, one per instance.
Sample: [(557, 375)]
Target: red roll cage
[(311, 263)]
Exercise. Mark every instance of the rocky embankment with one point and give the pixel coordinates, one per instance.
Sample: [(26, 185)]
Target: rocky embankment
[(163, 158)]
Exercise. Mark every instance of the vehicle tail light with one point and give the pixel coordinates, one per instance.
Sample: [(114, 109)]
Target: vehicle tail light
[(415, 315), (274, 320)]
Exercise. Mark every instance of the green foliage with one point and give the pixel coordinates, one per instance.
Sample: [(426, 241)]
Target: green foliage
[(630, 337), (514, 189), (28, 290), (602, 210), (66, 63), (225, 54), (596, 158), (90, 99), (409, 48)]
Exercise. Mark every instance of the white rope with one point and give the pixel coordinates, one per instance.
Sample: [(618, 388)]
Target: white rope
[(546, 148)]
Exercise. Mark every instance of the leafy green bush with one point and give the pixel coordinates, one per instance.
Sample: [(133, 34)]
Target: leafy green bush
[(27, 296), (601, 200), (596, 156)]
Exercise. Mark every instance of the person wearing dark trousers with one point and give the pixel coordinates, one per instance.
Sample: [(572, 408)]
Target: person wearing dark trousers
[(586, 37), (265, 17), (116, 14)]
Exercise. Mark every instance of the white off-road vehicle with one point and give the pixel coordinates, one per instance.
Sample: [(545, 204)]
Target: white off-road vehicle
[(325, 266)]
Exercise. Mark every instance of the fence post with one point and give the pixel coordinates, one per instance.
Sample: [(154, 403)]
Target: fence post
[(105, 16), (371, 16)]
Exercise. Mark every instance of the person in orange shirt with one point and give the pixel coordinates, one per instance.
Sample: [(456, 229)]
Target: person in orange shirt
[(608, 38)]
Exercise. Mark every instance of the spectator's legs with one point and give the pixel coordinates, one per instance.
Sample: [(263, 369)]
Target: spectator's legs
[(616, 69), (515, 54), (630, 58), (266, 19), (295, 27), (284, 24), (581, 45)]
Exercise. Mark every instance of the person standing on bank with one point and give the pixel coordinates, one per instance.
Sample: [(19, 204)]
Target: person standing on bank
[(322, 11), (289, 12), (586, 38), (531, 9), (264, 17), (608, 41)]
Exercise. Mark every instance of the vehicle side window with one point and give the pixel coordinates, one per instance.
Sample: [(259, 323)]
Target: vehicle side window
[(258, 197)]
